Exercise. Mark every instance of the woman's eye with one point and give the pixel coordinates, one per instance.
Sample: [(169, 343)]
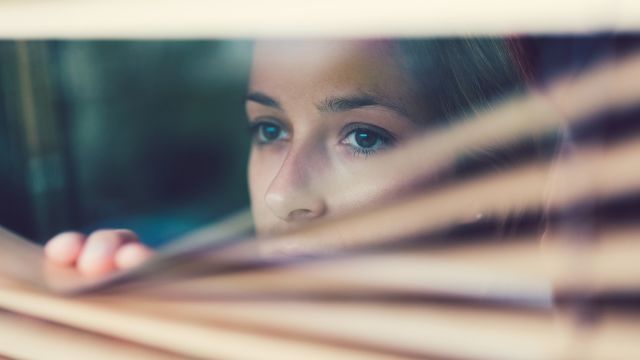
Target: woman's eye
[(266, 132), (367, 141)]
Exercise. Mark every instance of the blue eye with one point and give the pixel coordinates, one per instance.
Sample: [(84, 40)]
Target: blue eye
[(267, 132), (366, 140)]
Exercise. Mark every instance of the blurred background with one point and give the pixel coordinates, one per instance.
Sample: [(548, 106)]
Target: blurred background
[(145, 135), (151, 135)]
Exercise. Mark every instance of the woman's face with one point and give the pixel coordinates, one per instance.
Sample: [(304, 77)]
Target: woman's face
[(318, 109)]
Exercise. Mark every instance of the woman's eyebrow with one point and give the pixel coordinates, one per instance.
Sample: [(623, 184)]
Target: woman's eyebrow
[(263, 99), (334, 104), (346, 103)]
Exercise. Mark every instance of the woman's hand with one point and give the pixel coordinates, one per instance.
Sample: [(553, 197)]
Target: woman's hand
[(101, 252)]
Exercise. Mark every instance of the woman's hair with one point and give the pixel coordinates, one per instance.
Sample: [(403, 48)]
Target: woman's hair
[(455, 77)]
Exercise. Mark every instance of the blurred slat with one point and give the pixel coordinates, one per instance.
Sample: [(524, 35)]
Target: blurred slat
[(23, 337), (287, 18), (189, 339), (250, 329), (515, 271)]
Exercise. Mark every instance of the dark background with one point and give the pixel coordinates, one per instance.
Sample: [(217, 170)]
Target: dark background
[(146, 135)]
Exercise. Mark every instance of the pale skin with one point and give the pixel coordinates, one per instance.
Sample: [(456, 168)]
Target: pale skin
[(315, 108)]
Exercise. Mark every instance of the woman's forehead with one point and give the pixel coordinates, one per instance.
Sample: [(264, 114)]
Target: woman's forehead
[(285, 67)]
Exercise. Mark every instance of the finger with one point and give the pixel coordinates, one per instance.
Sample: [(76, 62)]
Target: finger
[(98, 254), (64, 248), (131, 255)]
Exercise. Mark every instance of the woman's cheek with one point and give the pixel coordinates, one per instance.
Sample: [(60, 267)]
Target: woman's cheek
[(358, 186), (364, 195)]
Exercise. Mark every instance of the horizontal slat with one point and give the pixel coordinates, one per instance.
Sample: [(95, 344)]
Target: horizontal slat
[(287, 18), (162, 332)]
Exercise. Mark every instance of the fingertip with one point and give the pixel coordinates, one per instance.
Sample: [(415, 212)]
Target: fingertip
[(65, 248), (131, 255), (95, 268), (97, 257)]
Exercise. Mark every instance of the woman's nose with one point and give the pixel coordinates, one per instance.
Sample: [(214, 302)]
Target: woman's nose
[(291, 196)]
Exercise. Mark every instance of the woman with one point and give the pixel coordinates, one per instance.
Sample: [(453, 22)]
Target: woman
[(317, 108)]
